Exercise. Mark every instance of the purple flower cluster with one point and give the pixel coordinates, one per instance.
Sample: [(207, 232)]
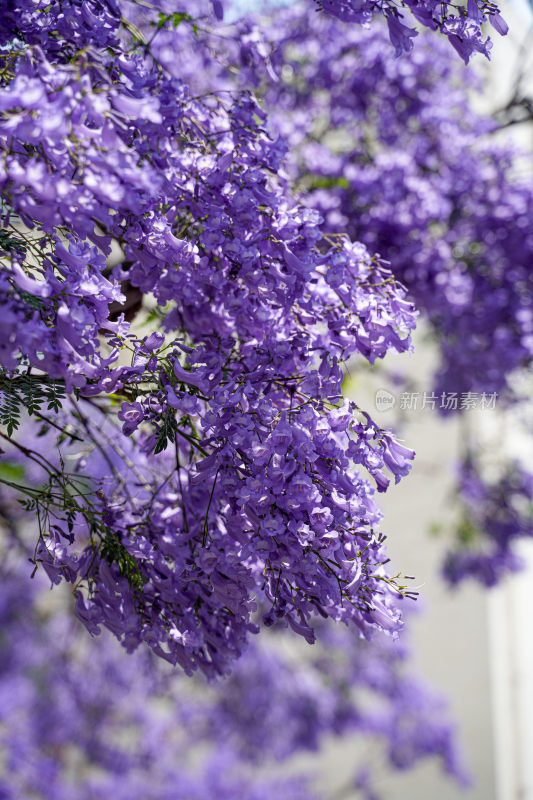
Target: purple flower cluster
[(220, 467), (461, 24), (392, 152), (178, 557), (53, 317), (494, 514)]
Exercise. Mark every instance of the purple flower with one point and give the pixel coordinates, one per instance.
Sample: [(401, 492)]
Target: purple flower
[(132, 415)]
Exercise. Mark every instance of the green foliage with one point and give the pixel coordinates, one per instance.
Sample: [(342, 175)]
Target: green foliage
[(8, 243), (114, 552), (30, 393), (9, 412), (167, 431), (176, 20)]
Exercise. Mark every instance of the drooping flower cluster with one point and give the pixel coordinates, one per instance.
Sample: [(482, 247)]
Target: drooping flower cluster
[(178, 558), (461, 24), (235, 475)]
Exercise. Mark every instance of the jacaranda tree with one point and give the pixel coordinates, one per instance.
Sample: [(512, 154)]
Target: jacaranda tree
[(187, 265)]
